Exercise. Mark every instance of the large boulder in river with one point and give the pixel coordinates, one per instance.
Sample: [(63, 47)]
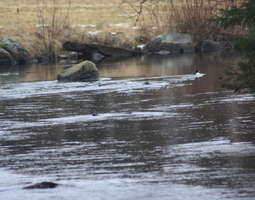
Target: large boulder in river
[(84, 71), (16, 50), (6, 58), (170, 44)]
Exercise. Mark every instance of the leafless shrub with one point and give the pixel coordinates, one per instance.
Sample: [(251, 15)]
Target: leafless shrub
[(52, 28), (186, 16)]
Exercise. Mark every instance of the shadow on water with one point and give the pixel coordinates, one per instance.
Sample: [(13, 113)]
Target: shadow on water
[(181, 136)]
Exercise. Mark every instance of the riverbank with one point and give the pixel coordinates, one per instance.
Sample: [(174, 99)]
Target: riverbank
[(171, 44), (43, 26)]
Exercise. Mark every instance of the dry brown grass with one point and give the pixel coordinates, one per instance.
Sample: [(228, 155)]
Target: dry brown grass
[(83, 11), (20, 19), (186, 16), (42, 25)]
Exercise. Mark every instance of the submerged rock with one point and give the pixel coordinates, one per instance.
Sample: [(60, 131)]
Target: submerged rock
[(84, 71), (42, 185), (170, 44), (16, 50)]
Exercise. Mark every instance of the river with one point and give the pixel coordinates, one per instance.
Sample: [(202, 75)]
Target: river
[(148, 129)]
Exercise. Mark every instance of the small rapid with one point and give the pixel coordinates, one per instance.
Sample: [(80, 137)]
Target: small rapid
[(104, 85)]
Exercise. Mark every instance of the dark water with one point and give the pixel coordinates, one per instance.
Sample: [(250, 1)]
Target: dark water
[(148, 129)]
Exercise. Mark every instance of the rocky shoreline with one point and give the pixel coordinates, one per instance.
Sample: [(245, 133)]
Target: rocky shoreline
[(171, 44), (13, 53)]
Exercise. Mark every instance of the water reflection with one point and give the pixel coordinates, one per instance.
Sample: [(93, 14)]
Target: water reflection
[(148, 67), (187, 136), (211, 65), (29, 73)]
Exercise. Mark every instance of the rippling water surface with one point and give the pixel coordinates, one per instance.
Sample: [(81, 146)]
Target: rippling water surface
[(148, 129)]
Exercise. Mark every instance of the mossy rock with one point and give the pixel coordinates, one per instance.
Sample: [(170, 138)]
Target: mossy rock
[(2, 44), (84, 71), (16, 50), (6, 58)]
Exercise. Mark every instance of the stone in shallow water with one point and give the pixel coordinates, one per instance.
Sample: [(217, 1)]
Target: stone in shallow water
[(42, 185), (84, 71)]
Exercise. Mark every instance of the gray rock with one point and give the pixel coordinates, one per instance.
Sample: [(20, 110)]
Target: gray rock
[(207, 46), (42, 185), (84, 71), (170, 44), (99, 52), (6, 58), (16, 50)]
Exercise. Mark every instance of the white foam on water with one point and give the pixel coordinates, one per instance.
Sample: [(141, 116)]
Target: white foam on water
[(116, 188), (235, 98), (219, 145), (199, 75), (239, 98), (14, 125), (171, 107), (106, 116), (104, 85)]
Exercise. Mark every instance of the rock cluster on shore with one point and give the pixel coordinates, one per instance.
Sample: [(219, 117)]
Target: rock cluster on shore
[(99, 52), (170, 44), (12, 52), (180, 43), (167, 44)]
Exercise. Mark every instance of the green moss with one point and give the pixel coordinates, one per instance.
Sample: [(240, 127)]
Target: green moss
[(11, 40), (2, 44), (5, 41)]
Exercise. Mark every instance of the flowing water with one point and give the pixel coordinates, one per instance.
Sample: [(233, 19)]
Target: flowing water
[(148, 129)]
